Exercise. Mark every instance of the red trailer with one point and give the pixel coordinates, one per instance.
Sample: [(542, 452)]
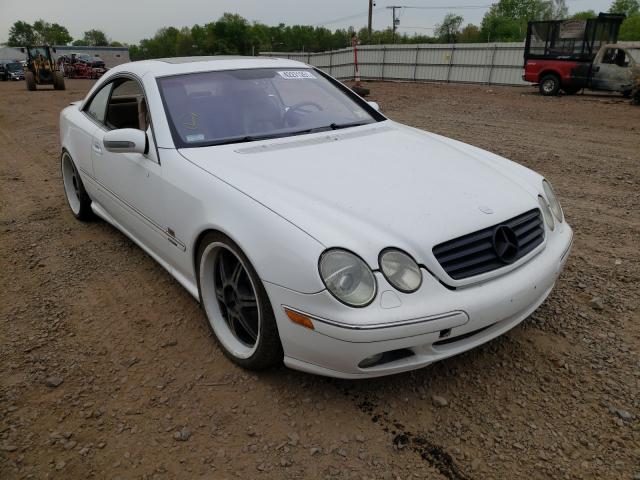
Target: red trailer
[(559, 54), (77, 66)]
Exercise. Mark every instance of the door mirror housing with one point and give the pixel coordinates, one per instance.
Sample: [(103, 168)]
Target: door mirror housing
[(126, 140), (374, 105)]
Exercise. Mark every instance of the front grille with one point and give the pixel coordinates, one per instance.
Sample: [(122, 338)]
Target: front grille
[(473, 254)]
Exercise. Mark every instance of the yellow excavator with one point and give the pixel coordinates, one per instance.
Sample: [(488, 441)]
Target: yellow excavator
[(41, 69)]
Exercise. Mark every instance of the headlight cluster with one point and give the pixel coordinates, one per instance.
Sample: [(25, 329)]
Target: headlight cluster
[(550, 206), (400, 270), (347, 277), (351, 281)]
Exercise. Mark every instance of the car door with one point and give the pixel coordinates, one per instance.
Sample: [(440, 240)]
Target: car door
[(131, 183), (612, 71)]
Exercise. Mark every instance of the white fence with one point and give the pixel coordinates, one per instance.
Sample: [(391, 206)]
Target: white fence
[(489, 63)]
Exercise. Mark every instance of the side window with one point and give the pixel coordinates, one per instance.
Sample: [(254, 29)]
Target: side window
[(127, 107), (97, 108), (621, 59)]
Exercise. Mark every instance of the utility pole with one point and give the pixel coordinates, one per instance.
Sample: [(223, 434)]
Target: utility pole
[(396, 20), (370, 24)]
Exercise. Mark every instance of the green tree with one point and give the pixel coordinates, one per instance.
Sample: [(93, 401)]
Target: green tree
[(507, 19), (198, 36), (499, 28), (449, 29), (96, 38), (80, 43), (20, 34), (51, 33), (470, 34), (585, 15), (630, 29), (629, 7)]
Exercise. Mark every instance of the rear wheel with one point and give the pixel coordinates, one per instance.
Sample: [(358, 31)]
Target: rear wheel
[(77, 197), (30, 80), (549, 84), (236, 304), (58, 80)]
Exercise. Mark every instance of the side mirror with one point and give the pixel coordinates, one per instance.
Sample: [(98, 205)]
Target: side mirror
[(126, 140), (54, 49), (374, 105), (22, 49)]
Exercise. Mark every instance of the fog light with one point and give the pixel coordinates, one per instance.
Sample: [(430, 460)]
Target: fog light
[(371, 360)]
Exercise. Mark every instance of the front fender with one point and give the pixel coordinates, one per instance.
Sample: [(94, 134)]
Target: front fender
[(197, 201)]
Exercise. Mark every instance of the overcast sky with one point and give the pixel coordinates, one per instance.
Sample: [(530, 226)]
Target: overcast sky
[(131, 20)]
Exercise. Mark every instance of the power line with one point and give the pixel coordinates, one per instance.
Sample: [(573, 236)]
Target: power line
[(448, 7), (349, 17), (419, 28)]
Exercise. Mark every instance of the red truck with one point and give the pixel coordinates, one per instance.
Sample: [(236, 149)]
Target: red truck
[(570, 55)]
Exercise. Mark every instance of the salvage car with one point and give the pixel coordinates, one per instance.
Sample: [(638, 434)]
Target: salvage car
[(571, 55), (311, 228), (12, 71)]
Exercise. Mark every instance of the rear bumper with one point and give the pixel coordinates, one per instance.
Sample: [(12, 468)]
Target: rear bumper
[(475, 314)]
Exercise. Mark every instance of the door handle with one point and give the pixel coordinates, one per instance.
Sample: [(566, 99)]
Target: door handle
[(97, 148)]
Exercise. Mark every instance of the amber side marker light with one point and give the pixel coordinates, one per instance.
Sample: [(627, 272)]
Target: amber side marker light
[(299, 318)]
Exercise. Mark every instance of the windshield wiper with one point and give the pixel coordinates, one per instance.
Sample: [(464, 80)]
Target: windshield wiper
[(338, 126), (255, 138), (243, 139), (325, 128)]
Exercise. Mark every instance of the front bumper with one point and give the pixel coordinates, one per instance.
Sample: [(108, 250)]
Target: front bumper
[(416, 322)]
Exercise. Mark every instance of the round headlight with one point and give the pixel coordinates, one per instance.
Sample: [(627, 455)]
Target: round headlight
[(554, 204), (347, 277), (400, 270), (546, 212)]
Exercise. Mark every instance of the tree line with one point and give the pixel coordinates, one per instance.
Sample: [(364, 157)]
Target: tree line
[(505, 21), (41, 32)]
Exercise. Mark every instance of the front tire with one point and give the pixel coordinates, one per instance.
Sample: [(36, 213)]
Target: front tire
[(30, 80), (236, 304), (549, 84), (77, 197), (58, 80)]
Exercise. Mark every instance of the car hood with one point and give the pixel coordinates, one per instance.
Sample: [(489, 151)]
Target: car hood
[(376, 186)]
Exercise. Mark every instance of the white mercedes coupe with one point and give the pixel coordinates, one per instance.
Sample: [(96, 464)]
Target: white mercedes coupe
[(311, 228)]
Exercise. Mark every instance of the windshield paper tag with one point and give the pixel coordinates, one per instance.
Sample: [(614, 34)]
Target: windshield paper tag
[(296, 75), (195, 138)]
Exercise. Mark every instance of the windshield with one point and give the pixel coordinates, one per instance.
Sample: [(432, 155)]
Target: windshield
[(37, 51), (13, 67), (235, 106)]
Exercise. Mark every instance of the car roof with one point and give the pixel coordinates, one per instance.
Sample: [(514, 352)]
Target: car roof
[(180, 65)]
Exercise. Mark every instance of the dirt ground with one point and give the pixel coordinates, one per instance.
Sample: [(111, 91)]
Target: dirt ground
[(107, 368)]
